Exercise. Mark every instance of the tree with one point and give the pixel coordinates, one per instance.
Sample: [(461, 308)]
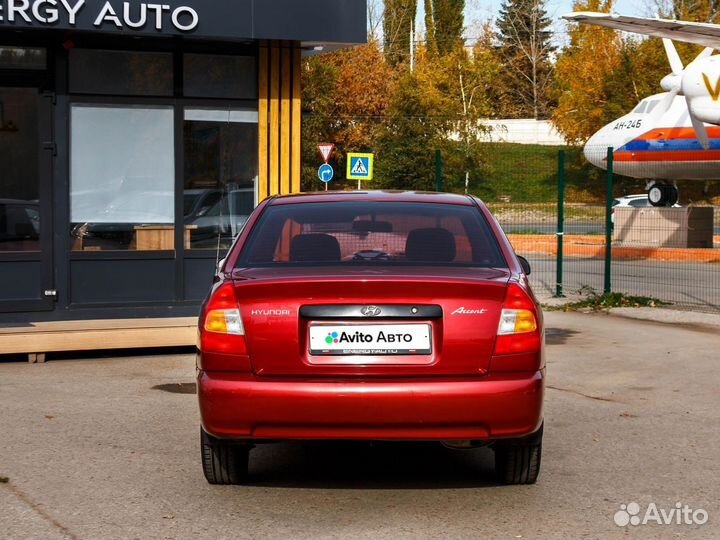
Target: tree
[(345, 97), (448, 21), (581, 72), (430, 43), (408, 138), (526, 48), (690, 10), (438, 106), (374, 15), (399, 20)]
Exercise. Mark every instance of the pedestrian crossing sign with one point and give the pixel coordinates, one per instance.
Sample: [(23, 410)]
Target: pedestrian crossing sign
[(360, 166)]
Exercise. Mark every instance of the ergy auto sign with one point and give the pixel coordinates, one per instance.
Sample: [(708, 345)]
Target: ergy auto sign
[(79, 14), (334, 21)]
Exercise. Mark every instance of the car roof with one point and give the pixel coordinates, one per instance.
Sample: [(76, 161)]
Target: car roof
[(642, 196), (374, 196)]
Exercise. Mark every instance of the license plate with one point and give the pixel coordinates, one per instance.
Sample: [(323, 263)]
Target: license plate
[(370, 339)]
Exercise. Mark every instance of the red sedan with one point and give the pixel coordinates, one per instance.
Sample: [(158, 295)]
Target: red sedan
[(372, 316)]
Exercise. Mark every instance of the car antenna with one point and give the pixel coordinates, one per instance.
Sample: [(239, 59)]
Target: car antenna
[(226, 193)]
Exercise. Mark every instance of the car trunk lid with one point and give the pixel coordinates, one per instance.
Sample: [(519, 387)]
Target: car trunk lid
[(370, 322)]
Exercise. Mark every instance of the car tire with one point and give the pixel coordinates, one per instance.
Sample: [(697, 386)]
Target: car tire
[(518, 461), (672, 195), (224, 463)]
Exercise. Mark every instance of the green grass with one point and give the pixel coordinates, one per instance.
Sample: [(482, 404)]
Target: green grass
[(604, 302), (528, 173)]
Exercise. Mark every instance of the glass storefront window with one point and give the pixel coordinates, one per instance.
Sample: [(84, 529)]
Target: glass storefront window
[(130, 73), (19, 181), (220, 174), (22, 58), (220, 76), (122, 178)]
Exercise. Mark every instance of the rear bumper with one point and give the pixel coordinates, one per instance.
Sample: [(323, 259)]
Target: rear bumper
[(246, 407)]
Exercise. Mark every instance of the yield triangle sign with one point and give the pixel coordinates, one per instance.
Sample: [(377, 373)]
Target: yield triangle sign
[(326, 150)]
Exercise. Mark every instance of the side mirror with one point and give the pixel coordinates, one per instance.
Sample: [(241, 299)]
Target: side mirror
[(220, 264), (525, 265)]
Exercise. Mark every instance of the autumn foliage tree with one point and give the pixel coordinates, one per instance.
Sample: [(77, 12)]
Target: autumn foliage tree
[(581, 74), (439, 106), (359, 100), (346, 95)]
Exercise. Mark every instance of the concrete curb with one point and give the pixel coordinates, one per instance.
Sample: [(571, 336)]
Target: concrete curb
[(669, 316), (594, 247), (661, 315)]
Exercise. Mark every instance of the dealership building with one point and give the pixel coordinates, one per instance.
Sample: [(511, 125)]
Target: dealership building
[(135, 139)]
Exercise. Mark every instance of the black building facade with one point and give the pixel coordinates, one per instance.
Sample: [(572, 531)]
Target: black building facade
[(135, 139)]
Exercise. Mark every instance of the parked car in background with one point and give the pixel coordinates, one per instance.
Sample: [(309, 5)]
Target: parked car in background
[(197, 202), (19, 225), (372, 315), (219, 216), (633, 201)]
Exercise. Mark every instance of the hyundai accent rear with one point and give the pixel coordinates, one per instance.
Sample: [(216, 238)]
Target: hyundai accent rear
[(371, 316)]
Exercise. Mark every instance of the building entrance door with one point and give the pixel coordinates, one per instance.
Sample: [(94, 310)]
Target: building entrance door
[(26, 262)]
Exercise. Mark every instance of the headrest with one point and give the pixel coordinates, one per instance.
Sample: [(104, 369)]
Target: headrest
[(314, 248), (430, 245)]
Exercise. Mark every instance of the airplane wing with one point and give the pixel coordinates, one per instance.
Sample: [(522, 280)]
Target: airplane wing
[(706, 34)]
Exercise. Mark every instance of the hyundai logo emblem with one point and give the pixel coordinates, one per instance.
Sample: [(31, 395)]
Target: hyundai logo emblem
[(371, 311)]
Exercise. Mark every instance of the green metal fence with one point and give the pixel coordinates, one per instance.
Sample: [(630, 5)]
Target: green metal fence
[(562, 213), (591, 231)]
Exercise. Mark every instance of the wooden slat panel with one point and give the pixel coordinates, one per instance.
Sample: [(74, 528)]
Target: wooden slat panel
[(98, 335), (285, 118), (96, 324), (296, 120), (99, 340), (274, 120), (263, 150)]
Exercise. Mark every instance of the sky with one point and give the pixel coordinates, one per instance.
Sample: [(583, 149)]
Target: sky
[(481, 10), (555, 8)]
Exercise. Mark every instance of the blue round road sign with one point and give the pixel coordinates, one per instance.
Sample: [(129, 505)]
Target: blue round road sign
[(326, 173)]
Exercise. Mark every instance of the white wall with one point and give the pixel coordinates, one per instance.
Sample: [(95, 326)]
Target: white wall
[(523, 131)]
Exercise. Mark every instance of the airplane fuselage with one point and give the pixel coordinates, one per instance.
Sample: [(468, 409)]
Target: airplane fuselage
[(666, 147)]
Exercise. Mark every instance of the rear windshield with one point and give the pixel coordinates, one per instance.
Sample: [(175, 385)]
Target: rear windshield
[(371, 233)]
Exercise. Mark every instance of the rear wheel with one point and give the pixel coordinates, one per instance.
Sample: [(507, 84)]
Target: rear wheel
[(224, 463), (517, 461)]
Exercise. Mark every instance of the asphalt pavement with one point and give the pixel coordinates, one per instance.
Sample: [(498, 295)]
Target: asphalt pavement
[(108, 448)]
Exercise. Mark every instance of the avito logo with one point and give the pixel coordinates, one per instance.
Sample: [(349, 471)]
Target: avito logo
[(363, 337)]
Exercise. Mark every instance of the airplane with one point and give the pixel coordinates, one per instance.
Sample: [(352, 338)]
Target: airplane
[(670, 136)]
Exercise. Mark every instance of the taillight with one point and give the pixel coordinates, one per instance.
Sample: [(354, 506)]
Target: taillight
[(224, 321), (516, 321), (518, 331), (221, 329)]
